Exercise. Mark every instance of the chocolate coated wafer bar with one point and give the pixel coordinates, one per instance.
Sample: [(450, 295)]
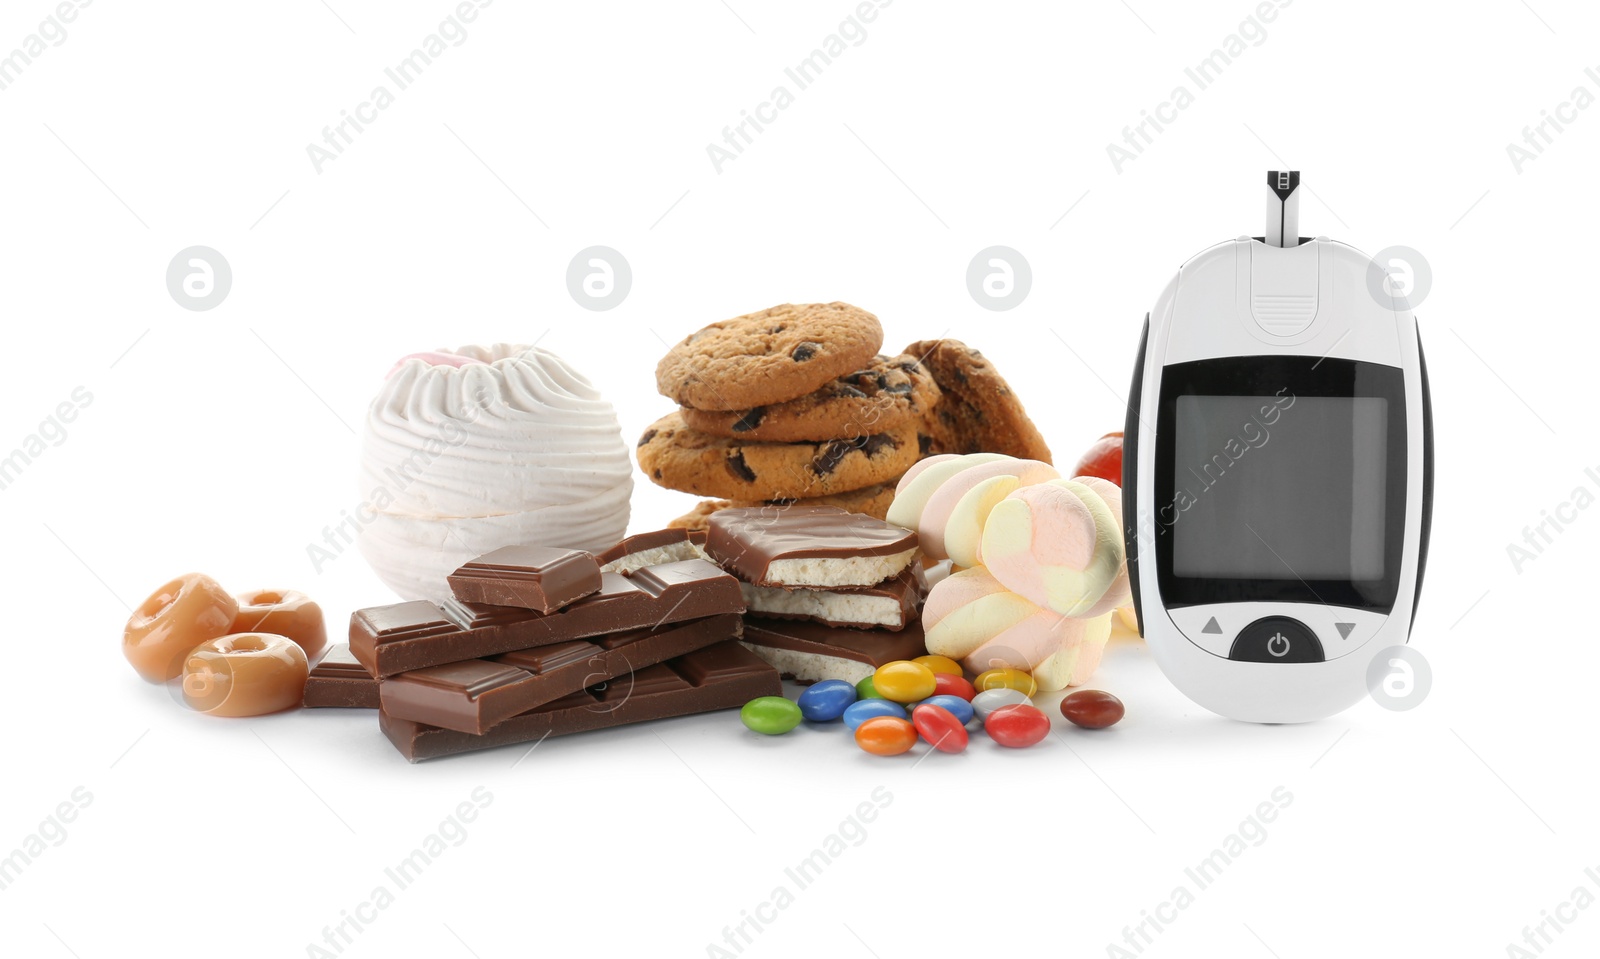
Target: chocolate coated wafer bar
[(338, 680), (474, 695), (718, 677), (892, 604), (811, 652), (813, 546), (415, 635), (528, 577)]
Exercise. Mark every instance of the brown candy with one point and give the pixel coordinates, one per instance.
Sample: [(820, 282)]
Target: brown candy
[(176, 618), (1092, 708), (245, 674), (284, 612)]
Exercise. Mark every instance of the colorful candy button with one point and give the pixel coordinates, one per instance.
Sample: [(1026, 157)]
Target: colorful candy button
[(1006, 677), (942, 729), (904, 681), (1017, 725), (945, 684), (770, 715), (862, 710), (826, 701), (886, 735), (1092, 708), (941, 665), (990, 700), (957, 706), (866, 690)]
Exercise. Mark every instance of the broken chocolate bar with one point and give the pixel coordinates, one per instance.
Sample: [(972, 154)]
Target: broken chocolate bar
[(812, 652), (415, 635), (723, 676), (338, 680), (651, 549), (812, 546), (474, 695), (528, 577)]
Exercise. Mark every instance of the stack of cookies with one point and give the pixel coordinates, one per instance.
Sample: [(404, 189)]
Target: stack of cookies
[(790, 404), (797, 404)]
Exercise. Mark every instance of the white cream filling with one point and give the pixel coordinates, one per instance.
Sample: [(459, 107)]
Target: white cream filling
[(811, 667), (673, 553), (825, 571), (842, 608)]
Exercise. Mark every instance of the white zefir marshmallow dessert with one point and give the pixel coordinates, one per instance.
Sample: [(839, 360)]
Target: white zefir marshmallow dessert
[(466, 451)]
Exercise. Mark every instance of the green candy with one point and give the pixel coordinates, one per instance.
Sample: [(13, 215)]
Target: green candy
[(865, 689), (770, 715)]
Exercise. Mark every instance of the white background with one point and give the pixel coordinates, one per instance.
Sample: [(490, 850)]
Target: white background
[(221, 441)]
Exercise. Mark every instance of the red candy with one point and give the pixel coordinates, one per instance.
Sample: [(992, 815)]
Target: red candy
[(886, 736), (1092, 708), (1017, 725), (940, 728), (948, 685), (1103, 459)]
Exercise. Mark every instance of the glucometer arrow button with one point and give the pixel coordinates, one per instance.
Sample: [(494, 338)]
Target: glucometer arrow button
[(1344, 629), (1212, 626), (1276, 639)]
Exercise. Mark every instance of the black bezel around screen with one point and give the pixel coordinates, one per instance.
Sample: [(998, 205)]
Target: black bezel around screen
[(1266, 376)]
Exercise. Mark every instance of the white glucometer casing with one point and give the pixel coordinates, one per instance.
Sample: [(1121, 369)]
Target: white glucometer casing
[(1277, 472)]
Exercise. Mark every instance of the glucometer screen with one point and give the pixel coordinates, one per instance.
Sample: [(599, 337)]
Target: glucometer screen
[(1281, 487), (1278, 479)]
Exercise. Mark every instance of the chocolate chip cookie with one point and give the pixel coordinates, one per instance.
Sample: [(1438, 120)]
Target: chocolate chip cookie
[(699, 517), (677, 457), (886, 394), (768, 357), (976, 412), (872, 500)]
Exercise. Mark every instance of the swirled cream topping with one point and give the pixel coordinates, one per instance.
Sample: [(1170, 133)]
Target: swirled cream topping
[(480, 447)]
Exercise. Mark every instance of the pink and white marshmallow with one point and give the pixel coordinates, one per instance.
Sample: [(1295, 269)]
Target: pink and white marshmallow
[(1056, 543)]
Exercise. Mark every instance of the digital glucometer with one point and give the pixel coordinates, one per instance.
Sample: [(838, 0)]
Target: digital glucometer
[(1277, 473)]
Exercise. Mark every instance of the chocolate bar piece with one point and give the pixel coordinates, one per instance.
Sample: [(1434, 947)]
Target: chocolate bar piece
[(474, 695), (652, 549), (812, 652), (415, 635), (722, 676), (891, 604), (813, 546), (528, 577), (338, 680)]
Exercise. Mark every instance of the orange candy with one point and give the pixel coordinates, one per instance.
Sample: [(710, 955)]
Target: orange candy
[(886, 736), (284, 612), (245, 674), (179, 616)]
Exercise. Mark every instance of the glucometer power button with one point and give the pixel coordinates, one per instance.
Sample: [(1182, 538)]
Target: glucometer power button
[(1276, 639)]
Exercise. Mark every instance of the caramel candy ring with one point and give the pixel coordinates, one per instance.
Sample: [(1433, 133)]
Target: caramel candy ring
[(285, 612), (176, 618), (245, 674)]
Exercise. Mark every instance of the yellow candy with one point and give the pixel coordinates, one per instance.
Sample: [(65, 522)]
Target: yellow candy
[(940, 664), (904, 681), (1006, 677)]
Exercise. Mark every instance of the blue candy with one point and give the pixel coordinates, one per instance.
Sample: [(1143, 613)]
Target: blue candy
[(959, 708), (859, 712), (826, 701)]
